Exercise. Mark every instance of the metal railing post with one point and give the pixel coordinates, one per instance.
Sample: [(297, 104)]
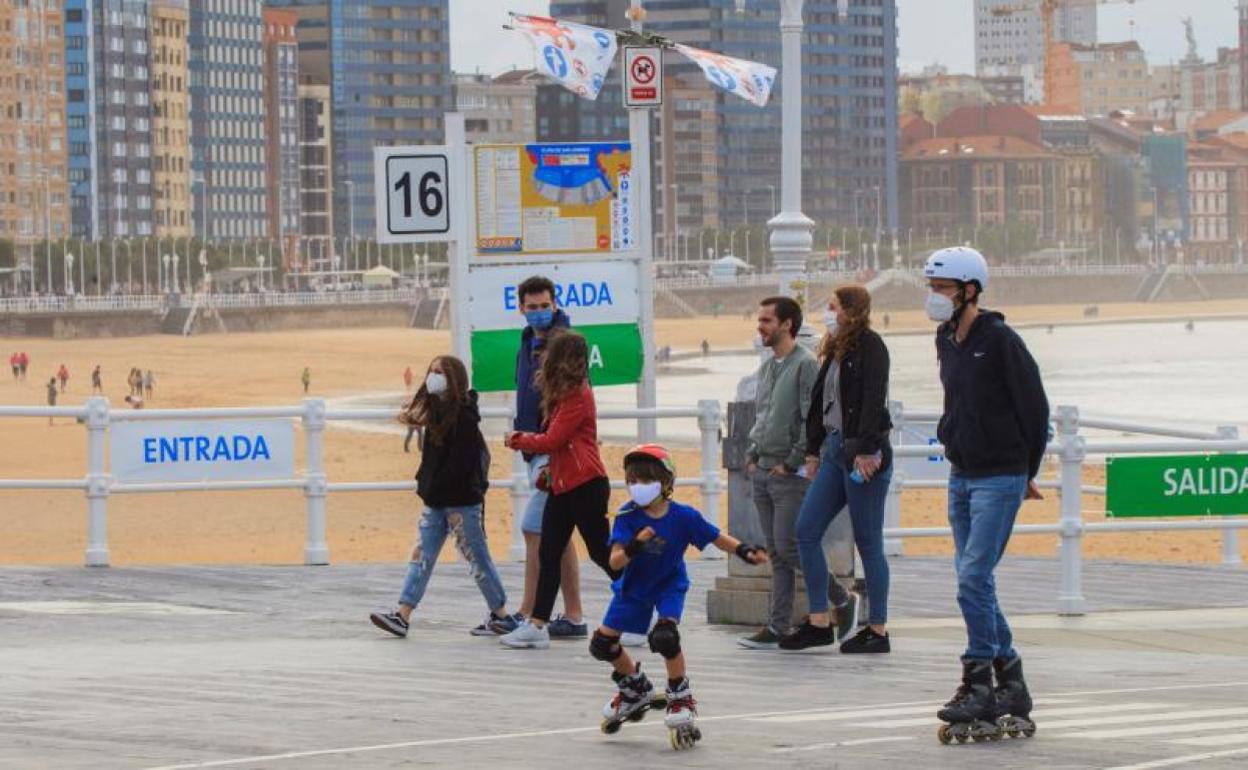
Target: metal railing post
[(895, 546), (710, 419), (1070, 600), (1230, 537), (99, 484), (520, 495), (315, 490)]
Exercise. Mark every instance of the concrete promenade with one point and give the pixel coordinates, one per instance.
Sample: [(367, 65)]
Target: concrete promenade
[(278, 667)]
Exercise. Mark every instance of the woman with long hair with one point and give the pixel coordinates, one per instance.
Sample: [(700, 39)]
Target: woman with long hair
[(575, 477), (849, 459), (452, 480)]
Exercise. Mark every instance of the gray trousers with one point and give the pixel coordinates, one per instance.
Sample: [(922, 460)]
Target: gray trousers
[(778, 500)]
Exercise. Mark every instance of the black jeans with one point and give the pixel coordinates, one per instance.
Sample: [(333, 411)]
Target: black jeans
[(584, 508)]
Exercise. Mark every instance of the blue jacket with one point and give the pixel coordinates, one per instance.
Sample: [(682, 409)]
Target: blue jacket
[(528, 397)]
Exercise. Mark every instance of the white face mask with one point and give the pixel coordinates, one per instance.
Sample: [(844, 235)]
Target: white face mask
[(939, 307), (829, 321), (435, 383), (644, 494)]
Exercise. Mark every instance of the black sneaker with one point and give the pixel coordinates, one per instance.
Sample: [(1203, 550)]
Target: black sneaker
[(390, 621), (866, 641), (806, 636), (764, 639)]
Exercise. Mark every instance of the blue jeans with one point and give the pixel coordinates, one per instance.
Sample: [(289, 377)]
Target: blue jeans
[(830, 490), (469, 531), (981, 513)]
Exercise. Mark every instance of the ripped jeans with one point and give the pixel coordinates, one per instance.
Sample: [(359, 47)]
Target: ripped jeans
[(466, 523)]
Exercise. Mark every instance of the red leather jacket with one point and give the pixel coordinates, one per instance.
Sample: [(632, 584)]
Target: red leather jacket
[(571, 440)]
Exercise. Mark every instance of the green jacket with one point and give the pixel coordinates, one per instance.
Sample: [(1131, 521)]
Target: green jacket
[(781, 405)]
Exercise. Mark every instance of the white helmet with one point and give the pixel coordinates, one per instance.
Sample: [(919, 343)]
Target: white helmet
[(959, 263)]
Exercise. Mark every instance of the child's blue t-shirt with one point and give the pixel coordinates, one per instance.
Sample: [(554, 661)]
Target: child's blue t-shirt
[(660, 567)]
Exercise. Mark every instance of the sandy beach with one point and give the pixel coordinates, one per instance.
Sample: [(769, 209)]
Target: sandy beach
[(268, 527)]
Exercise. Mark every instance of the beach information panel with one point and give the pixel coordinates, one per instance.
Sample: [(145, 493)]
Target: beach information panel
[(553, 199)]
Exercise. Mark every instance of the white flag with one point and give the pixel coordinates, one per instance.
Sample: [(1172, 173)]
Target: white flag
[(574, 55), (748, 79)]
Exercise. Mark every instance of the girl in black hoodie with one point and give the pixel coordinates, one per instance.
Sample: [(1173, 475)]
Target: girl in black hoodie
[(452, 481)]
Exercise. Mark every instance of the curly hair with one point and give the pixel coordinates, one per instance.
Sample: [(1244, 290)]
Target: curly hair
[(565, 369), (437, 414), (855, 303)]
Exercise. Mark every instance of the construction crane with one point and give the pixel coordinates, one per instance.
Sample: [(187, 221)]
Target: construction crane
[(1048, 10)]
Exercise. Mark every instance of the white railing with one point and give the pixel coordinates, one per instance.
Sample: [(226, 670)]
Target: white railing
[(313, 415), (1072, 451), (154, 302)]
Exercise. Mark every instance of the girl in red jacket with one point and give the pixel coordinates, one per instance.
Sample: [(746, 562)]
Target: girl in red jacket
[(576, 477)]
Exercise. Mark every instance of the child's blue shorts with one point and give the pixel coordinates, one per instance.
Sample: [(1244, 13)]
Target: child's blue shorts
[(633, 616)]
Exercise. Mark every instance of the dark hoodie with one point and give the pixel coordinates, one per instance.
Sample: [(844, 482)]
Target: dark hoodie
[(529, 418), (996, 420), (456, 471)]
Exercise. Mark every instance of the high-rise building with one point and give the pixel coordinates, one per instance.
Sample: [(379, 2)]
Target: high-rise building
[(316, 177), (123, 119), (1243, 52), (281, 102), (849, 142), (33, 189), (227, 119), (171, 112), (80, 117), (1209, 86), (1009, 38), (1099, 79), (388, 65)]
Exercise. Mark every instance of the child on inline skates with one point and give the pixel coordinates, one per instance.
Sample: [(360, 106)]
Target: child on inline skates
[(648, 543)]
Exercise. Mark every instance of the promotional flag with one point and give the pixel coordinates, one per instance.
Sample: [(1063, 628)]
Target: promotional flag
[(576, 56), (748, 79)]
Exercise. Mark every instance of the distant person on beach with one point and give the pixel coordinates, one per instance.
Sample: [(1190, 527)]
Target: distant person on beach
[(306, 379), (51, 396), (23, 363), (706, 348), (451, 481), (97, 380), (149, 384), (407, 381), (62, 374), (544, 320), (15, 363), (412, 430)]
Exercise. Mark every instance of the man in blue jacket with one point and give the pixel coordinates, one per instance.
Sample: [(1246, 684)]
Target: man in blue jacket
[(994, 430), (543, 318)]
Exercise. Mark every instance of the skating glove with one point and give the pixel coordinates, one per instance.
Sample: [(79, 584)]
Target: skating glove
[(745, 551)]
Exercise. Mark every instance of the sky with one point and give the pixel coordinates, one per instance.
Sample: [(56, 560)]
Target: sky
[(929, 30)]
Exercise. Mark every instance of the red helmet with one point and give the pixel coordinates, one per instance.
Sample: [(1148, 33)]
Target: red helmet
[(652, 452)]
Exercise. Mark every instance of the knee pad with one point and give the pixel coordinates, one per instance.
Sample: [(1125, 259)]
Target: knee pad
[(605, 648), (665, 639)]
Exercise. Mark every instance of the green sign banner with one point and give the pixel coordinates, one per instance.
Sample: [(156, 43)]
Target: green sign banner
[(615, 356), (1184, 485)]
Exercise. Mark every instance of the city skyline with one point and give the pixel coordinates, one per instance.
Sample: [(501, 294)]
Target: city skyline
[(480, 44)]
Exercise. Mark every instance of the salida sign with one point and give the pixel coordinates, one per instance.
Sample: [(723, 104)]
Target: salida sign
[(1184, 485)]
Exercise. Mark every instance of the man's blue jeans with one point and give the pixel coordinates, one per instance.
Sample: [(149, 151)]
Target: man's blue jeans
[(982, 513), (466, 524)]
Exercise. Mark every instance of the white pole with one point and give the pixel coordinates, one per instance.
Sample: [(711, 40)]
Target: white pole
[(895, 546), (1230, 537), (639, 139), (791, 239), (316, 550), (457, 250), (98, 483), (1070, 600), (709, 422), (520, 494)]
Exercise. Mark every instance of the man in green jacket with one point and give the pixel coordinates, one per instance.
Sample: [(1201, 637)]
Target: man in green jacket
[(777, 452)]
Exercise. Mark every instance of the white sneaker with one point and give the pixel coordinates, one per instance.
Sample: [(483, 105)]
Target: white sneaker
[(632, 640), (527, 637)]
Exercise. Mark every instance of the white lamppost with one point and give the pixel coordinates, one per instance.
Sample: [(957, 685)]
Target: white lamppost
[(260, 263), (69, 273), (203, 269), (166, 285), (792, 231), (174, 274)]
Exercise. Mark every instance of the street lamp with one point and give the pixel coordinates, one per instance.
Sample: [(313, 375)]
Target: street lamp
[(129, 267), (166, 284), (260, 262), (203, 269), (47, 227), (69, 272), (351, 217)]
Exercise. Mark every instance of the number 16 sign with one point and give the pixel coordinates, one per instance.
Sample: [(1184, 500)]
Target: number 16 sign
[(413, 194)]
